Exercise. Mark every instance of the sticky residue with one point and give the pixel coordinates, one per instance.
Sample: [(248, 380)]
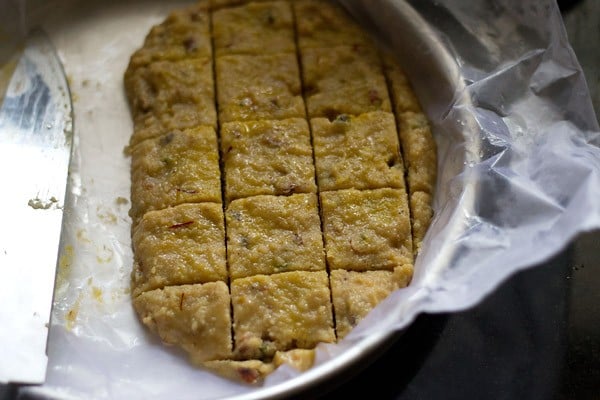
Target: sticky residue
[(105, 255), (82, 236), (39, 204), (66, 258), (71, 316), (105, 216), (97, 293)]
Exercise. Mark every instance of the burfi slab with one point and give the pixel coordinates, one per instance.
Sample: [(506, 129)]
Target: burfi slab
[(196, 318), (254, 28), (280, 312), (355, 294), (359, 152), (183, 34), (366, 229), (255, 87), (324, 24), (169, 95), (267, 157), (343, 80), (179, 167), (272, 234), (179, 245)]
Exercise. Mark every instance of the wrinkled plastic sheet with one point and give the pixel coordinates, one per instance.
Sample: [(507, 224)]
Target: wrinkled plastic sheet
[(519, 177)]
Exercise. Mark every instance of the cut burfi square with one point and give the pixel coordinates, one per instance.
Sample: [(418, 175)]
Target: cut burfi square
[(403, 96), (254, 87), (179, 245), (179, 167), (185, 33), (343, 80), (272, 234), (195, 317), (323, 24), (359, 152), (419, 149), (281, 312), (255, 28), (355, 294), (171, 95), (267, 157), (366, 229)]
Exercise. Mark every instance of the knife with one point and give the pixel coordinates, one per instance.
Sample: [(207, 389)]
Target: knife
[(36, 135)]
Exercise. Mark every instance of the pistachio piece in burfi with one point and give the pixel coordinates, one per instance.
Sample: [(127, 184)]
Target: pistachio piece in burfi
[(355, 294), (272, 234), (324, 24), (343, 80), (247, 371), (179, 245), (196, 318), (179, 167), (254, 28), (281, 312), (171, 95), (267, 157), (252, 87), (183, 34), (359, 152), (366, 229)]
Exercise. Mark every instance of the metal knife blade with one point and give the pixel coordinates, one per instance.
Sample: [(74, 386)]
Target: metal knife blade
[(36, 135)]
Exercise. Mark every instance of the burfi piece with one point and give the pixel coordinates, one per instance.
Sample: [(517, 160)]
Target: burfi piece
[(254, 87), (272, 234), (355, 294), (280, 312), (255, 28), (301, 359), (184, 34), (403, 96), (179, 245), (267, 157), (343, 80), (419, 149), (366, 229), (421, 212), (323, 24), (171, 95), (357, 152), (247, 371), (196, 318), (179, 167)]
